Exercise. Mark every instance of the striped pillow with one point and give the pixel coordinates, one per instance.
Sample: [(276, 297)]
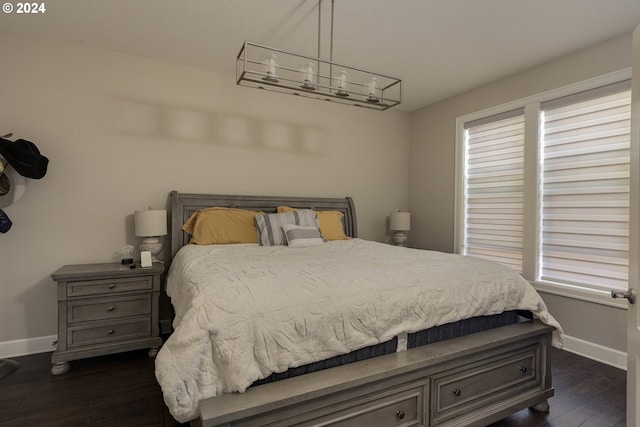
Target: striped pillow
[(270, 225), (302, 237)]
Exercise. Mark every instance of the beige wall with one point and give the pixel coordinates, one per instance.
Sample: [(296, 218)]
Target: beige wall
[(432, 168), (122, 131)]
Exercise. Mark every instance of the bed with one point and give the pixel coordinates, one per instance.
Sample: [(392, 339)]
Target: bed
[(333, 338)]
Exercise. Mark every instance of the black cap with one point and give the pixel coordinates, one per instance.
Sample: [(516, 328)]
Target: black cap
[(25, 157)]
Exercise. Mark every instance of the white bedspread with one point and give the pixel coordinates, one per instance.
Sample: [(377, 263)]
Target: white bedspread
[(246, 311)]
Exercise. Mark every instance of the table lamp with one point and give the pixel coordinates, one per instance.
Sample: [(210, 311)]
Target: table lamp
[(151, 225), (400, 224)]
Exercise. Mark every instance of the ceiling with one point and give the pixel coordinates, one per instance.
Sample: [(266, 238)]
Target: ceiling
[(439, 48)]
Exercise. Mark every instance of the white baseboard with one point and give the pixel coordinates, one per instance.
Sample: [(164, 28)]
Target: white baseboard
[(27, 346), (599, 353)]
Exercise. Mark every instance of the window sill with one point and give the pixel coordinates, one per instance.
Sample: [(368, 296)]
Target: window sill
[(580, 293)]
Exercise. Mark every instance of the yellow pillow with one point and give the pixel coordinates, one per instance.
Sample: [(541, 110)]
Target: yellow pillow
[(330, 223), (218, 225)]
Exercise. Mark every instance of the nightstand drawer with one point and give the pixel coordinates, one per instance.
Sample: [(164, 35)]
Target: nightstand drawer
[(479, 384), (121, 330), (109, 286), (108, 308)]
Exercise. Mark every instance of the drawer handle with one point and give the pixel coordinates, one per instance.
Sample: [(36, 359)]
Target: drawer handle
[(400, 414), (457, 392), (523, 369), (110, 331), (111, 308), (112, 285)]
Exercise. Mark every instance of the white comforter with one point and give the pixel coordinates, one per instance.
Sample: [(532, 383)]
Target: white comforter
[(246, 311)]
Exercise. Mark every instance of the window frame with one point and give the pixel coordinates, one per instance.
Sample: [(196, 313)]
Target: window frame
[(532, 202)]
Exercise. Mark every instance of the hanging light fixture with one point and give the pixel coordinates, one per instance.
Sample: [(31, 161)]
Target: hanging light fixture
[(264, 67)]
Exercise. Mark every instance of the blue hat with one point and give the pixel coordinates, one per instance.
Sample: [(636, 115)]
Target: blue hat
[(5, 222)]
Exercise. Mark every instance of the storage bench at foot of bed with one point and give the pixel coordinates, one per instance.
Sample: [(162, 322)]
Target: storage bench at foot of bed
[(468, 381)]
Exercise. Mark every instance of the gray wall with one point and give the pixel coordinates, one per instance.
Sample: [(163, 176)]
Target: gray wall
[(432, 169)]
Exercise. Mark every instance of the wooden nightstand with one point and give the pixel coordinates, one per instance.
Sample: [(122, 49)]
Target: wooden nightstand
[(105, 309)]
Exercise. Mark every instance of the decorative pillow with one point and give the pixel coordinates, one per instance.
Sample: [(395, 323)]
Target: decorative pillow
[(330, 223), (302, 237), (270, 225), (218, 225)]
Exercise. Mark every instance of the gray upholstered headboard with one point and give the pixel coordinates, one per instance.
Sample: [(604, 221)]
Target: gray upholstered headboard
[(183, 205)]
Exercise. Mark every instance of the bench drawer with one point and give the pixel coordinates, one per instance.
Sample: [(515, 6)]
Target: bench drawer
[(402, 406), (479, 384)]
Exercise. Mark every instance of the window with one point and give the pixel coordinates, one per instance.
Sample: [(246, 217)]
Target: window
[(545, 187), (494, 188), (585, 188)]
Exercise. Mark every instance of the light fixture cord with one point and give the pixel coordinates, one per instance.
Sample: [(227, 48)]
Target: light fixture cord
[(330, 34), (319, 24), (320, 27), (331, 39)]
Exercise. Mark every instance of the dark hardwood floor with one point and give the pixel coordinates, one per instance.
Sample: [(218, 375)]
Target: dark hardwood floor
[(587, 394), (121, 390)]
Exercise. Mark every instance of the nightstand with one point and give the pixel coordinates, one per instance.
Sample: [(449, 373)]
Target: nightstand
[(105, 309)]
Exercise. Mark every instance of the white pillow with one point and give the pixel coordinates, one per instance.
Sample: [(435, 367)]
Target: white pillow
[(302, 237)]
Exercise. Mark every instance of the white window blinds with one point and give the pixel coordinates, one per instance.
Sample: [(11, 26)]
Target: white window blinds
[(494, 179), (585, 188)]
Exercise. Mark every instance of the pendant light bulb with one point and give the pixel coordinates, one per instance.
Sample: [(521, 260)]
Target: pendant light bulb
[(307, 75), (341, 83), (270, 62)]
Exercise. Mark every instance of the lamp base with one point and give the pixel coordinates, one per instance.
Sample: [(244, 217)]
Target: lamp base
[(153, 245), (400, 238)]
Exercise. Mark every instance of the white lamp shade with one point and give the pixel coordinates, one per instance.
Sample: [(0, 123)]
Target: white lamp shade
[(400, 221), (150, 223)]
